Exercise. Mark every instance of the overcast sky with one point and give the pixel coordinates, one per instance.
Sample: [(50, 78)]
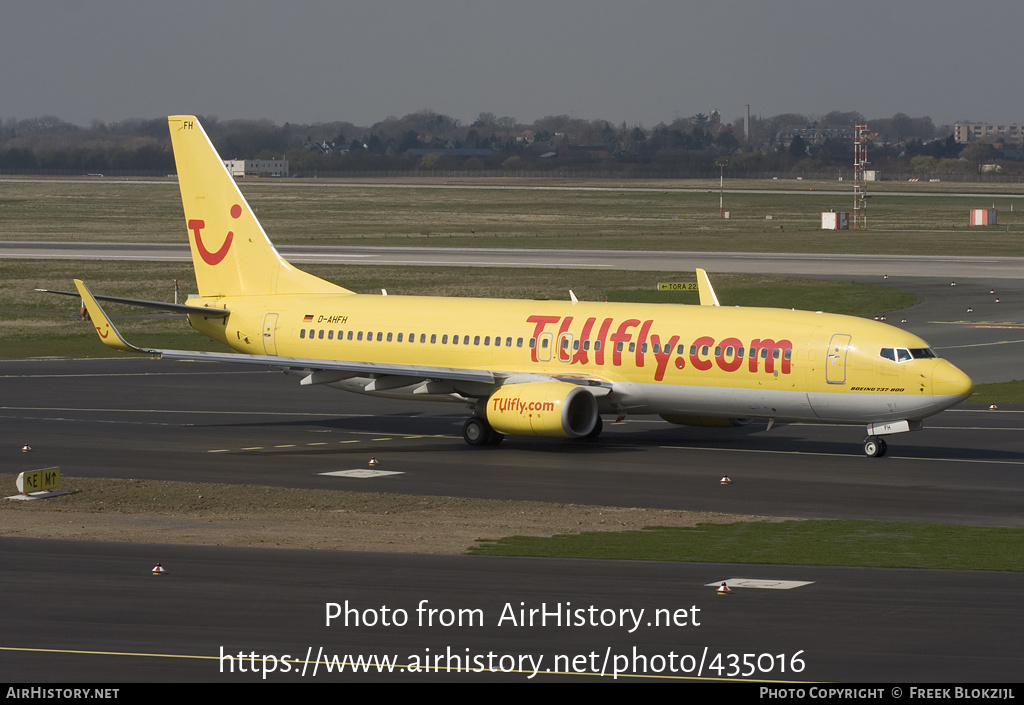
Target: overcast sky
[(637, 61)]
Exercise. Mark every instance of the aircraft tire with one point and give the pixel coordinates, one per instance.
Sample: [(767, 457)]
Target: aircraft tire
[(476, 431), (875, 447)]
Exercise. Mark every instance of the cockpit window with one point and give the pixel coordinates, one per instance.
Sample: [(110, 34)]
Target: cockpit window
[(905, 355)]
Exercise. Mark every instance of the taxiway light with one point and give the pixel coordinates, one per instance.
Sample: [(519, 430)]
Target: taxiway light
[(724, 589), (373, 461), (725, 480), (158, 570), (26, 448)]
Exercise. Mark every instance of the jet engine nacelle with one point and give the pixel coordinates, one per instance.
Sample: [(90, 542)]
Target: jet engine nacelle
[(718, 421), (552, 409)]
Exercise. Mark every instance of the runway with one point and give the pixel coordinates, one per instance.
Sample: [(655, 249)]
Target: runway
[(207, 423), (953, 266)]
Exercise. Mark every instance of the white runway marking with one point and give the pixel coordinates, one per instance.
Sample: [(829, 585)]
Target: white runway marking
[(762, 584), (360, 473)]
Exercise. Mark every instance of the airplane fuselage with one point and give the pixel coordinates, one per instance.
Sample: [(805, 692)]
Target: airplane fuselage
[(673, 360)]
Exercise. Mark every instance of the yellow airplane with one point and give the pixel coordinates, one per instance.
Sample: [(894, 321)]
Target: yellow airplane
[(535, 368)]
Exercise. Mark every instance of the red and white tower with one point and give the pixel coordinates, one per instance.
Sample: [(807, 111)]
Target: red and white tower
[(860, 160)]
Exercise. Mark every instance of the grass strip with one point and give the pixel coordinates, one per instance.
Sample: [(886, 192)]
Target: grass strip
[(812, 542), (999, 393)]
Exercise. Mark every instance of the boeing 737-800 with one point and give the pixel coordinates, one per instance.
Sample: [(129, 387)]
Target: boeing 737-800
[(534, 368)]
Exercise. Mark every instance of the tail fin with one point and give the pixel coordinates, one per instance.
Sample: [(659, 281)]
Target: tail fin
[(231, 254)]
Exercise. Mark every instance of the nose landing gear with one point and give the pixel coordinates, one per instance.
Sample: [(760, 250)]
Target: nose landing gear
[(874, 447)]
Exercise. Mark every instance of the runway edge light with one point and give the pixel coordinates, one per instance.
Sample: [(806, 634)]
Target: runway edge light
[(159, 570), (724, 589)]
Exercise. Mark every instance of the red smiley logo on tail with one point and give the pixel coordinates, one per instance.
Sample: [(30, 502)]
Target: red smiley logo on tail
[(103, 333), (213, 258)]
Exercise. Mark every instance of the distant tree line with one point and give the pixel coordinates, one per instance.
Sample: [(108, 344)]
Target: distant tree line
[(427, 141)]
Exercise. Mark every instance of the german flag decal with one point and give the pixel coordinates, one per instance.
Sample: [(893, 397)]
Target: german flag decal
[(308, 318)]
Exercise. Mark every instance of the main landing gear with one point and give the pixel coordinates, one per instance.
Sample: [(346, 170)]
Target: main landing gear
[(874, 447), (477, 432)]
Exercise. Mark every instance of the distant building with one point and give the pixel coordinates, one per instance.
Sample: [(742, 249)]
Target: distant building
[(813, 134), (964, 132), (257, 167)]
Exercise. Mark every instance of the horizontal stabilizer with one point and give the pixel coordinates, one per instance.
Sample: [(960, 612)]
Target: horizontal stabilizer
[(161, 305)]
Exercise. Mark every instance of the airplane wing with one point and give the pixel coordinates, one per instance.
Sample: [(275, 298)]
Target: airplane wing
[(111, 337), (707, 292)]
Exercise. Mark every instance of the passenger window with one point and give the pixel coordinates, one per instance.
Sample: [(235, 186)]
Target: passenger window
[(389, 337), (476, 340), (519, 342), (321, 337), (433, 338), (444, 339), (455, 340), (330, 335), (302, 332)]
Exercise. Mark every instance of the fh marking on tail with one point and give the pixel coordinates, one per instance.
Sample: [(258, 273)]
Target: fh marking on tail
[(213, 258)]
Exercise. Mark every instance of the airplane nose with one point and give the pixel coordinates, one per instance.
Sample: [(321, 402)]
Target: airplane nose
[(949, 381)]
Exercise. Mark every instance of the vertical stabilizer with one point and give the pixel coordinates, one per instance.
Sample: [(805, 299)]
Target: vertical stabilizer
[(231, 254)]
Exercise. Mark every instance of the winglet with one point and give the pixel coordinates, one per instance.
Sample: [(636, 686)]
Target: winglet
[(109, 335), (707, 292)]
